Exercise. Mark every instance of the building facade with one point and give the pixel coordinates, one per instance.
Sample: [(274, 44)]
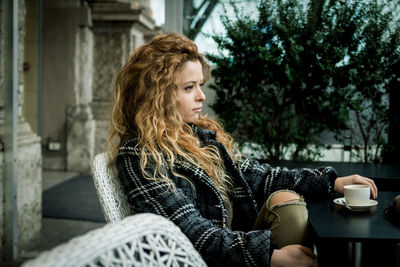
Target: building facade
[(68, 53)]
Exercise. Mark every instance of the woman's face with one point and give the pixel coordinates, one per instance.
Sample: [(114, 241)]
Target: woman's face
[(190, 93)]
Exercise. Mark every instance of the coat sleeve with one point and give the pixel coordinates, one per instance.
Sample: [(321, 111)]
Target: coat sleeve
[(218, 246), (265, 179)]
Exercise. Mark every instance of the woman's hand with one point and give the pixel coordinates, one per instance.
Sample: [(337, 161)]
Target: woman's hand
[(340, 182), (293, 255)]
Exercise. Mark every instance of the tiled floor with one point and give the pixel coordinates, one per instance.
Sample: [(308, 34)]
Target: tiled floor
[(55, 231)]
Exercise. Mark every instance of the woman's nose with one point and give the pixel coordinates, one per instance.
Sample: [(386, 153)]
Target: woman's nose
[(201, 97)]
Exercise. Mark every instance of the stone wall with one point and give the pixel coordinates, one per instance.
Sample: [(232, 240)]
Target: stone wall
[(118, 27), (85, 43), (29, 160), (63, 73)]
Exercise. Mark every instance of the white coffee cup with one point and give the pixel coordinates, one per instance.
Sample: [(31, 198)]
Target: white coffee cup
[(357, 194)]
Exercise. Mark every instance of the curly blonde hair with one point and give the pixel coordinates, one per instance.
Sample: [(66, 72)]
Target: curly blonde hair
[(145, 107)]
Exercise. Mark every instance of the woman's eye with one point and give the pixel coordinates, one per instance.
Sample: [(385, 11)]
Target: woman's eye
[(189, 87)]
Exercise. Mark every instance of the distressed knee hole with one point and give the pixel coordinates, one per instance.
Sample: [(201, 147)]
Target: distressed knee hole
[(282, 197)]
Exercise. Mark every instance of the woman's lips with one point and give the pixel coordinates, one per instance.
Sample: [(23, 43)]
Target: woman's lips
[(197, 109)]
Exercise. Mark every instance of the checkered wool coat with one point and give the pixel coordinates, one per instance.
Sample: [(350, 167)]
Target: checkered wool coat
[(200, 211)]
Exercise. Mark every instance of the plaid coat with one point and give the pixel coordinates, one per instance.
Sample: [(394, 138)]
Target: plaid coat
[(200, 211)]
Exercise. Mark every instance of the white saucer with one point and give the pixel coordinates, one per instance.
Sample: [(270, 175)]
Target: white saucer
[(365, 206)]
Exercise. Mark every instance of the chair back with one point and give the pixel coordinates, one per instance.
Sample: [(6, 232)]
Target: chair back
[(138, 240), (114, 203)]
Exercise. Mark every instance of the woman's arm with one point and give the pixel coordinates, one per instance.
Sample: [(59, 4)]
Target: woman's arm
[(313, 183), (265, 179)]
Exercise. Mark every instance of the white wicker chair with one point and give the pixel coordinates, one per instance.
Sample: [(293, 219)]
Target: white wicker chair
[(112, 197), (138, 240), (109, 190)]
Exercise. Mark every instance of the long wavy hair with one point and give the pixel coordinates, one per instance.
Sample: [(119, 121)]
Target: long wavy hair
[(145, 106)]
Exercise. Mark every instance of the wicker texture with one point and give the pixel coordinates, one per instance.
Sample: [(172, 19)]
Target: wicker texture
[(109, 190), (138, 240)]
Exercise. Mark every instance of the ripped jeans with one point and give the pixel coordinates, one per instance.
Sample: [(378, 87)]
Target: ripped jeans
[(288, 221)]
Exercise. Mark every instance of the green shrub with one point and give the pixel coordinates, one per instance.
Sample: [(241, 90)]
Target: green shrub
[(300, 68)]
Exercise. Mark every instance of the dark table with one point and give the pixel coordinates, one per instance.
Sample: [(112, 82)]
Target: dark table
[(350, 238)]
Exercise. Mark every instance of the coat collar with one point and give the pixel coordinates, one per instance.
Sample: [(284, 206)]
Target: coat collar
[(203, 134)]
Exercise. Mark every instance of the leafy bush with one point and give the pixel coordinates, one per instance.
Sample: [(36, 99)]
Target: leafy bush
[(300, 68)]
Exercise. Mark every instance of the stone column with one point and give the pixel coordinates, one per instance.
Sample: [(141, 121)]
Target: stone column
[(80, 121), (118, 28), (29, 187), (29, 161)]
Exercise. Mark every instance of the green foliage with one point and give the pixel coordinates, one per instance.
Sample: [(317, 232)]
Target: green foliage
[(300, 68), (370, 71)]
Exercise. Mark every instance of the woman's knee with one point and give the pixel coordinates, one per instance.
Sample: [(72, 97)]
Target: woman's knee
[(283, 197), (286, 215)]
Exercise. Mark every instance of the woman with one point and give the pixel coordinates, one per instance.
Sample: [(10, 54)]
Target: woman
[(176, 163)]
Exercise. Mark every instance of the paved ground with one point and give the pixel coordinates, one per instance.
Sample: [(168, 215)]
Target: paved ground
[(55, 231)]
